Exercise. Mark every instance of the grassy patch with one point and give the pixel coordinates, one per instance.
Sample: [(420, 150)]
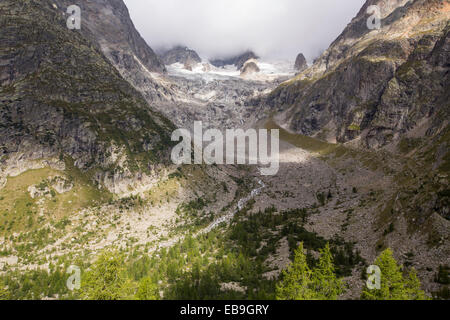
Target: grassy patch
[(354, 127), (20, 212), (302, 141)]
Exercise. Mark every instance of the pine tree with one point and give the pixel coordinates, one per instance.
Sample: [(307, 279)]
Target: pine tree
[(393, 284), (107, 279), (325, 283)]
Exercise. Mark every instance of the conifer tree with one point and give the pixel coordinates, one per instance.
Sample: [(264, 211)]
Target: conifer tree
[(393, 285), (107, 279), (325, 283), (302, 283), (296, 279), (413, 287)]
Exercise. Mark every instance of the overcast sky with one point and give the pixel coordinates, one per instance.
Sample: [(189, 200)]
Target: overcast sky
[(219, 28)]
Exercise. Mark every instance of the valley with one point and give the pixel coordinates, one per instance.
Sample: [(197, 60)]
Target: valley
[(85, 171)]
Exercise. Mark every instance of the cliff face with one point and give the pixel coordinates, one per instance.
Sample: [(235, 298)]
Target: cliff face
[(375, 85), (61, 98), (107, 24), (350, 41)]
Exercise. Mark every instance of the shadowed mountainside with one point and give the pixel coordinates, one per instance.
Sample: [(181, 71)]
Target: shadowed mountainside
[(62, 98), (375, 85)]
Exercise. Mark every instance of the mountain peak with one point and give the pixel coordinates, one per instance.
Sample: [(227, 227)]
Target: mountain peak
[(109, 25), (238, 61), (180, 54), (300, 63)]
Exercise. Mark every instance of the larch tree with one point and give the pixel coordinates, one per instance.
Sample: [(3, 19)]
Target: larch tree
[(394, 286), (107, 280), (296, 281), (302, 283), (325, 283)]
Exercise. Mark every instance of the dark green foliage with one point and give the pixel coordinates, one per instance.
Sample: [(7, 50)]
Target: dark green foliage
[(35, 284), (442, 294), (442, 276)]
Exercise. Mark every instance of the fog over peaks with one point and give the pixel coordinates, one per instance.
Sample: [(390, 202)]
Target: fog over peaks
[(277, 29)]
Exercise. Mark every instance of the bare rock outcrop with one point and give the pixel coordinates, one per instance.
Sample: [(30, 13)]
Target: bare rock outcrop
[(77, 110), (237, 61), (370, 85), (300, 63), (249, 68), (182, 55)]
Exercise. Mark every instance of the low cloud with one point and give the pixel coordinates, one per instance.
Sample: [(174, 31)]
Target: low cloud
[(220, 28)]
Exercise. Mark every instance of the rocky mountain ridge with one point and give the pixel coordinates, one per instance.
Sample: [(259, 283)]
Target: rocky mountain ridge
[(238, 60), (385, 91), (108, 25), (83, 110), (180, 54), (323, 101)]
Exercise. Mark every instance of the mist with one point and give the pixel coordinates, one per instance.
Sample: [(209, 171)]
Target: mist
[(273, 29)]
